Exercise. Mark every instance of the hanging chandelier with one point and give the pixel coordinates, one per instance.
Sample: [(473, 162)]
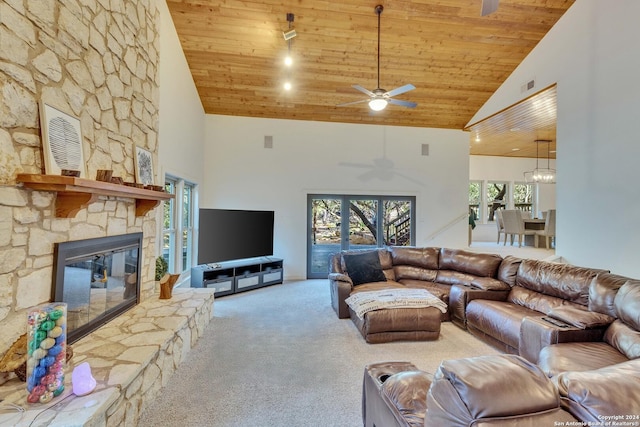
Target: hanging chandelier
[(541, 175)]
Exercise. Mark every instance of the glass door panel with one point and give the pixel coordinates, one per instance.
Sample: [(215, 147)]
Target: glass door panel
[(397, 224), (325, 234), (363, 231)]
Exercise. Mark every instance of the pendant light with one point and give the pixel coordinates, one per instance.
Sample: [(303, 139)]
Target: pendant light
[(541, 175)]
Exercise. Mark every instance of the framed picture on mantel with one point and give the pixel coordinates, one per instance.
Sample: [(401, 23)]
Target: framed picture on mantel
[(61, 142), (144, 166)]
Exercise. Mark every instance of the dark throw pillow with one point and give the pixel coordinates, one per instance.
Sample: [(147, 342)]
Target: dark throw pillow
[(364, 267)]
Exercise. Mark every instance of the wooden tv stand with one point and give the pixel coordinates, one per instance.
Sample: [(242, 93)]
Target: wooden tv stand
[(230, 277)]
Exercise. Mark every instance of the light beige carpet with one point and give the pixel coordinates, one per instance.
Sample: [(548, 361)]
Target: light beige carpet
[(279, 356)]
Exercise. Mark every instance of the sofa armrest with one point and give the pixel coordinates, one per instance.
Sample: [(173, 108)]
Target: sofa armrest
[(340, 286), (489, 284), (462, 393), (604, 394), (581, 319), (538, 332), (461, 295)]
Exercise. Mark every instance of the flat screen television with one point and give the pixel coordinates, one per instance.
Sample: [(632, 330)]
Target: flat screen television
[(227, 234)]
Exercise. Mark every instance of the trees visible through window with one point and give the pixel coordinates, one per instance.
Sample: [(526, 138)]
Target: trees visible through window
[(523, 196), (475, 197), (496, 198)]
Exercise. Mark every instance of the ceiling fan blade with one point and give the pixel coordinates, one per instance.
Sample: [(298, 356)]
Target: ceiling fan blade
[(363, 90), (351, 103), (488, 7), (402, 103), (401, 89)]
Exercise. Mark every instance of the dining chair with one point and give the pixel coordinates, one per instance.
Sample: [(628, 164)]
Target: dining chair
[(514, 226), (500, 225), (549, 229)]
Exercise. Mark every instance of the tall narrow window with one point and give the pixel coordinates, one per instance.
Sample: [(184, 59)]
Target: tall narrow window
[(178, 231), (496, 198), (523, 196), (475, 197), (169, 225)]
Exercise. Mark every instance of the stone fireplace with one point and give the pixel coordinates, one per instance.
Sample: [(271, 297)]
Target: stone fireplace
[(95, 60)]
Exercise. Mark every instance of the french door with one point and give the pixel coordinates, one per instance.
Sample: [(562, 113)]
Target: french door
[(340, 222)]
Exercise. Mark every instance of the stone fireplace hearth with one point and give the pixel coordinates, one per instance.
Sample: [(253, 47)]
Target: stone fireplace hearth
[(132, 358)]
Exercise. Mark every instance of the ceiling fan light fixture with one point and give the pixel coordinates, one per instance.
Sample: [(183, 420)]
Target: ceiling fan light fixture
[(378, 104)]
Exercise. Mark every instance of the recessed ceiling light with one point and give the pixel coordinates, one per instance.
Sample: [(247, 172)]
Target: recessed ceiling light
[(552, 151), (515, 149), (287, 86), (514, 129)]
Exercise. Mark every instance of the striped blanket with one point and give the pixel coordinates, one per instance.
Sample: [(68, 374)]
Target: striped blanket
[(366, 301)]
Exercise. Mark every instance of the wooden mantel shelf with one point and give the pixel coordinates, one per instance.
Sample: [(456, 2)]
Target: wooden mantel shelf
[(74, 194)]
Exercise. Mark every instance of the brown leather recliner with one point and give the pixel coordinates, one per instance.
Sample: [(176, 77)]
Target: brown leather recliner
[(540, 289), (620, 341), (502, 390)]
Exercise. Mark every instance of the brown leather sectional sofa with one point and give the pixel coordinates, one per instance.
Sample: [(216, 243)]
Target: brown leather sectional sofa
[(579, 326)]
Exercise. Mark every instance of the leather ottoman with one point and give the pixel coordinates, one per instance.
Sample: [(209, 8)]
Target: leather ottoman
[(387, 402), (399, 324)]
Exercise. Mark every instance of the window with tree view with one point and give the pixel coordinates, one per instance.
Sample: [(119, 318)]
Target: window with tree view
[(371, 222)]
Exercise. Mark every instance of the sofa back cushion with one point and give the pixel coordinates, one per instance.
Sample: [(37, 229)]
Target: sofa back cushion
[(482, 265), (426, 258), (612, 393), (468, 392), (564, 281), (602, 292), (627, 304), (508, 269), (623, 338), (535, 300)]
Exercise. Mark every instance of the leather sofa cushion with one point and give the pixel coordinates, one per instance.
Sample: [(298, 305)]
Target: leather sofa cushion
[(580, 317), (608, 392), (534, 300), (627, 303), (418, 257), (508, 269), (625, 339), (407, 391), (414, 273), (559, 280), (452, 277), (478, 264), (489, 284), (602, 292), (578, 356), (467, 390), (498, 319)]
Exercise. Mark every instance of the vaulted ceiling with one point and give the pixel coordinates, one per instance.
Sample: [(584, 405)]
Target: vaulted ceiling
[(455, 57)]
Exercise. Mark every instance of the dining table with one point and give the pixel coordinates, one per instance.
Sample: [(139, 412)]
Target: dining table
[(534, 224)]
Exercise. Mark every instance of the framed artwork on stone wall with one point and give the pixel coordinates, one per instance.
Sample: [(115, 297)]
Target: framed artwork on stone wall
[(144, 166), (61, 142)]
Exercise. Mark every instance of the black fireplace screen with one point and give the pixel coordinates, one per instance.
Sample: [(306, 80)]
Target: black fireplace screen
[(98, 279)]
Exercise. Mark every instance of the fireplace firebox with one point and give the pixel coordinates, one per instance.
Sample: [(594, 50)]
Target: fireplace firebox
[(98, 278)]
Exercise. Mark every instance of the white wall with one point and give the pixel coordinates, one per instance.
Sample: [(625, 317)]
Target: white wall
[(181, 127), (305, 159), (593, 56)]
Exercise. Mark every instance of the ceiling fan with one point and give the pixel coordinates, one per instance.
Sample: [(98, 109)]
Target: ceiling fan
[(379, 98)]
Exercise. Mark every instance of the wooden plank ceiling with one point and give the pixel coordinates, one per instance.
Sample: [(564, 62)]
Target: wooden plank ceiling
[(454, 57)]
